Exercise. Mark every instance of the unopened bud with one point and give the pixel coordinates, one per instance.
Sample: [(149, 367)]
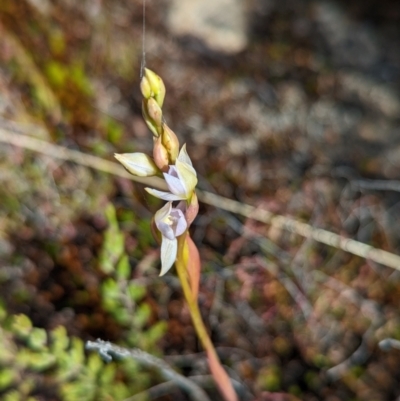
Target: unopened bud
[(160, 155), (154, 111), (148, 120), (157, 86), (138, 164), (171, 143), (145, 88)]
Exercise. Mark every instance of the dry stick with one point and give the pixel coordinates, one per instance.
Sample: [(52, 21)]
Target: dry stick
[(303, 229), (287, 223), (60, 152), (109, 350)]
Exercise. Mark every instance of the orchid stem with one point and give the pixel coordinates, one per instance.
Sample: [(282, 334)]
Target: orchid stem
[(216, 368)]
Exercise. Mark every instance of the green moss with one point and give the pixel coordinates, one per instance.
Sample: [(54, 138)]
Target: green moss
[(321, 361), (56, 73), (269, 379), (57, 42), (78, 76), (114, 131)]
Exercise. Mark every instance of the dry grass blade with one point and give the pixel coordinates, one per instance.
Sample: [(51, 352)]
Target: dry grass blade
[(60, 152), (287, 223)]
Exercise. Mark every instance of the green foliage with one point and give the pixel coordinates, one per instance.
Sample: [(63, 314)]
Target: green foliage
[(60, 75), (33, 360), (61, 363), (21, 326), (114, 131), (122, 297), (113, 245), (56, 73), (57, 42)]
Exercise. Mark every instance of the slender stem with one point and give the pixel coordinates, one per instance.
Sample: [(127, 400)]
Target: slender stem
[(192, 303), (219, 373)]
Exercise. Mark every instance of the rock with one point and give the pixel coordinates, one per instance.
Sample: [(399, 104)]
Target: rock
[(220, 25)]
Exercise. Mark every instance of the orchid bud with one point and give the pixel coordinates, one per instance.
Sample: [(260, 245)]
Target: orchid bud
[(160, 155), (171, 143), (148, 120), (154, 111), (157, 86), (145, 88), (138, 164)]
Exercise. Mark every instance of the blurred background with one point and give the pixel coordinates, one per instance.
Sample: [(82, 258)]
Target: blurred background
[(291, 106)]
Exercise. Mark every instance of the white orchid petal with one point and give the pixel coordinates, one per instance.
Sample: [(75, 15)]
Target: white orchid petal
[(164, 195), (169, 249), (181, 225), (163, 212), (163, 222), (183, 156)]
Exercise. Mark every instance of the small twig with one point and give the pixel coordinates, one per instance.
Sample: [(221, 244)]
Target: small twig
[(60, 152), (290, 224), (368, 308), (376, 185), (207, 381), (154, 392), (388, 343), (287, 223), (108, 350), (358, 357)]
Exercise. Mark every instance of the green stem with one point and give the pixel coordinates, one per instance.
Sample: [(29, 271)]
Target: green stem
[(217, 370)]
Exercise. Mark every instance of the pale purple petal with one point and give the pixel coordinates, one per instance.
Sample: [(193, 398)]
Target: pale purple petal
[(166, 230), (164, 222), (171, 222), (164, 195), (169, 249), (172, 171), (181, 226), (179, 222), (175, 185)]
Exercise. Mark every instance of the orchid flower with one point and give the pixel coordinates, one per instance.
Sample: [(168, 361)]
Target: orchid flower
[(172, 223), (181, 179)]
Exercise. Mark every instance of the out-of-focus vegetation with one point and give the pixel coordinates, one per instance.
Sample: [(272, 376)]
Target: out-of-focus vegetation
[(295, 123)]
